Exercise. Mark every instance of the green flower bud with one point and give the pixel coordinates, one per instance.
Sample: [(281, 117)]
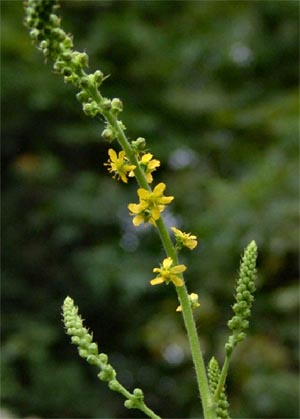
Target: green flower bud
[(54, 20), (106, 104), (67, 71), (116, 105), (138, 394), (114, 385), (73, 78), (72, 331), (139, 144), (91, 109), (240, 336), (129, 404), (83, 352), (107, 373), (98, 77), (85, 341), (75, 340), (121, 125), (67, 43), (58, 34), (92, 359), (108, 134), (82, 96), (43, 44), (80, 58), (67, 56), (93, 348), (103, 358), (228, 348), (59, 65), (34, 34)]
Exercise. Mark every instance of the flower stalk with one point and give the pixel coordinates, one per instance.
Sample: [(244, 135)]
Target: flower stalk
[(133, 161)]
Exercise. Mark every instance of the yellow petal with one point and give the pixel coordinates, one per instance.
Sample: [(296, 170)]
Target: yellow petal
[(156, 281), (179, 308), (153, 164), (112, 154), (159, 189), (178, 269), (134, 208), (166, 199), (122, 155), (191, 244), (149, 177), (146, 158), (178, 282), (137, 220), (176, 231), (155, 212), (152, 221), (143, 193), (130, 167), (123, 177), (167, 262)]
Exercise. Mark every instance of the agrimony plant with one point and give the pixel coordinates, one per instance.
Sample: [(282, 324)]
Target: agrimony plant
[(133, 161)]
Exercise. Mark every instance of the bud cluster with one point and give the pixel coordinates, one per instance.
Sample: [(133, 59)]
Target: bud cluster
[(56, 45), (244, 297), (213, 378), (80, 335)]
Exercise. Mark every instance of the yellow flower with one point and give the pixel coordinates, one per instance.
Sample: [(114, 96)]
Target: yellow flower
[(184, 239), (148, 165), (119, 165), (167, 272), (151, 204), (193, 298), (141, 214)]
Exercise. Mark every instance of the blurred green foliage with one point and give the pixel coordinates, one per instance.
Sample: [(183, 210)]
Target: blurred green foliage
[(212, 86)]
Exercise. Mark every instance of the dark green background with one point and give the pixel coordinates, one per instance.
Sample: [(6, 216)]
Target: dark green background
[(212, 86)]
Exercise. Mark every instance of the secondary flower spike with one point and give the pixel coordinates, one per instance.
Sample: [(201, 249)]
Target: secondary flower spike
[(168, 272), (151, 204), (119, 165)]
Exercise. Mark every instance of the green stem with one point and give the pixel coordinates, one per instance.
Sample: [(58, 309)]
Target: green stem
[(141, 406), (148, 412), (222, 378)]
